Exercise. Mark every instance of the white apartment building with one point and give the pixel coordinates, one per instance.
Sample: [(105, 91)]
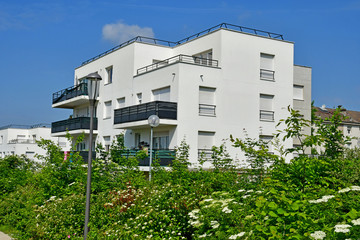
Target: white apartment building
[(224, 80), (350, 127), (21, 140)]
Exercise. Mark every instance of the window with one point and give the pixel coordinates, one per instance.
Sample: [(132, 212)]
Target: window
[(162, 94), (107, 109), (161, 140), (107, 143), (298, 92), (137, 140), (120, 102), (266, 107), (139, 98), (205, 142), (81, 146), (207, 101), (109, 75), (30, 155), (267, 67), (204, 58), (348, 129)]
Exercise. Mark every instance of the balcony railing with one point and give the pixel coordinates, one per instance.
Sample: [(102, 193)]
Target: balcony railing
[(23, 141), (179, 58), (267, 75), (163, 156), (70, 92), (72, 124), (187, 39), (166, 110), (205, 154), (207, 110), (267, 115)]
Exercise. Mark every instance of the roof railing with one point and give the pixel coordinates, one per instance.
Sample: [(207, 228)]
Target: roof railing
[(172, 44), (40, 125)]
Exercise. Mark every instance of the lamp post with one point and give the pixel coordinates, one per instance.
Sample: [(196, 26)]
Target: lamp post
[(93, 86), (153, 121)]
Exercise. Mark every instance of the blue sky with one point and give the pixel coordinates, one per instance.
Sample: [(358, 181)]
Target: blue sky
[(42, 42)]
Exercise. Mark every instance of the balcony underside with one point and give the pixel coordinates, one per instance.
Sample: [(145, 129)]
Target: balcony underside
[(144, 124), (73, 102), (74, 133)]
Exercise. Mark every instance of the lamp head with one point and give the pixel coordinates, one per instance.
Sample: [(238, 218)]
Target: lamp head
[(93, 84), (154, 121)]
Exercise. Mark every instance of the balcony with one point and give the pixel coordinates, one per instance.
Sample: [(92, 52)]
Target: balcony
[(179, 58), (71, 96), (73, 125), (267, 115), (141, 112), (163, 156)]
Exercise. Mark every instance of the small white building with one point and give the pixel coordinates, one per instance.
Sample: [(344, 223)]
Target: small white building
[(350, 127), (21, 139), (225, 80)]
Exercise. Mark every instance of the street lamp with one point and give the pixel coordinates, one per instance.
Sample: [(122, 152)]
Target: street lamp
[(153, 121), (93, 88)]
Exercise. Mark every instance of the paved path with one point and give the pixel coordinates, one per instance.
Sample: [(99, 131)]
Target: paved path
[(3, 236)]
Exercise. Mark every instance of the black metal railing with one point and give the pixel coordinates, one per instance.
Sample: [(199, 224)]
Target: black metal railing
[(39, 125), (163, 157), (172, 44), (83, 154), (72, 124), (70, 92), (166, 110), (205, 154), (179, 58), (267, 74), (267, 115), (207, 110)]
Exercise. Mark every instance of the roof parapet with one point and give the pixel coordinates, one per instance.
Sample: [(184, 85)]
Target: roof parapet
[(172, 44)]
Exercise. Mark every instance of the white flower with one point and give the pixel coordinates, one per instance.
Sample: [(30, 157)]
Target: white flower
[(214, 224), (203, 236), (249, 191), (226, 210), (344, 190), (245, 196), (344, 228), (241, 190), (355, 188), (207, 200), (237, 235), (356, 222), (71, 183), (318, 235), (323, 199)]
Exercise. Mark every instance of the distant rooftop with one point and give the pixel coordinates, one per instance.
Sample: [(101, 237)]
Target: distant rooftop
[(324, 112), (172, 44), (40, 125)]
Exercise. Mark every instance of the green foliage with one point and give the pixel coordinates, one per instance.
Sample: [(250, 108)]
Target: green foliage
[(332, 137), (15, 172), (308, 198)]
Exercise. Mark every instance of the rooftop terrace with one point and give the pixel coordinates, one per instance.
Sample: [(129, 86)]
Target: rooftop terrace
[(172, 44)]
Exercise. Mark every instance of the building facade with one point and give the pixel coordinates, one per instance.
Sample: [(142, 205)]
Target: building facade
[(350, 127), (21, 140), (226, 80)]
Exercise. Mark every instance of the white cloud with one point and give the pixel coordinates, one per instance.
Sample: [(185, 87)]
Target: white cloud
[(120, 32)]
